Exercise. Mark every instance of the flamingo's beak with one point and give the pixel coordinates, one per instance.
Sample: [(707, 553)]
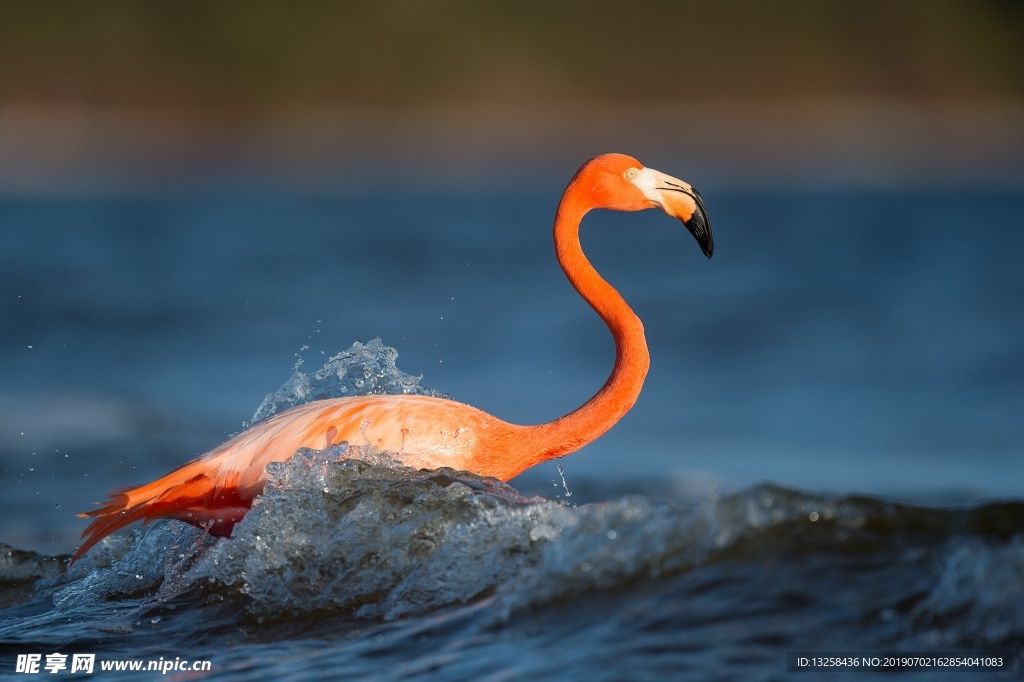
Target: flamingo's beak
[(680, 200)]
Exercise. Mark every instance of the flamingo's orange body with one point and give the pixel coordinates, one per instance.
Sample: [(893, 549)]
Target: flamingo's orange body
[(216, 490)]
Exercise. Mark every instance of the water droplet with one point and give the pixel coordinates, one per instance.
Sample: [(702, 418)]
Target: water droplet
[(612, 535), (813, 516), (561, 473)]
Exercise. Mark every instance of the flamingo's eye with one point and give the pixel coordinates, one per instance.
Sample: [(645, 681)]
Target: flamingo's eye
[(632, 174)]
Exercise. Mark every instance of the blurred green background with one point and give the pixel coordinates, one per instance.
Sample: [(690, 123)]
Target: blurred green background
[(186, 92), (252, 58)]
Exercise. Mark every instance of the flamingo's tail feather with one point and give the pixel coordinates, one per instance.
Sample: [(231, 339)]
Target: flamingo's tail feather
[(189, 493)]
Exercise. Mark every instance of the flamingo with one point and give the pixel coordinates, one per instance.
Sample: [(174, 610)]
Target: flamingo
[(216, 490)]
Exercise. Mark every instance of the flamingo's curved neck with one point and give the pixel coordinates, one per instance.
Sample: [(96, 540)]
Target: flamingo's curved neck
[(576, 429)]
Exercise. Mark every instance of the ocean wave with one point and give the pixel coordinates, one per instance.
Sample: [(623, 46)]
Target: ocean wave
[(366, 538)]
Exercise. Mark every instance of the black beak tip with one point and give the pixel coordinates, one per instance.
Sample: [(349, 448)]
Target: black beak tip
[(700, 228), (699, 225)]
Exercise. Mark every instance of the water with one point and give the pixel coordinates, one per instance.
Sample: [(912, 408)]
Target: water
[(859, 351), (368, 571)]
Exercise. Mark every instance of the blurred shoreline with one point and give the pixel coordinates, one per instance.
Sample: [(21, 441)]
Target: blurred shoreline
[(875, 144)]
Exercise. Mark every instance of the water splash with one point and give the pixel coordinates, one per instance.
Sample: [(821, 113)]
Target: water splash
[(565, 485), (397, 541), (363, 369)]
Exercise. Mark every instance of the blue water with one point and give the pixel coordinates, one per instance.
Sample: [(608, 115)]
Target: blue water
[(838, 343)]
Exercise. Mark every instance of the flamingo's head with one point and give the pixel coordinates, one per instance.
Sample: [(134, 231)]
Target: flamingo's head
[(622, 183)]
